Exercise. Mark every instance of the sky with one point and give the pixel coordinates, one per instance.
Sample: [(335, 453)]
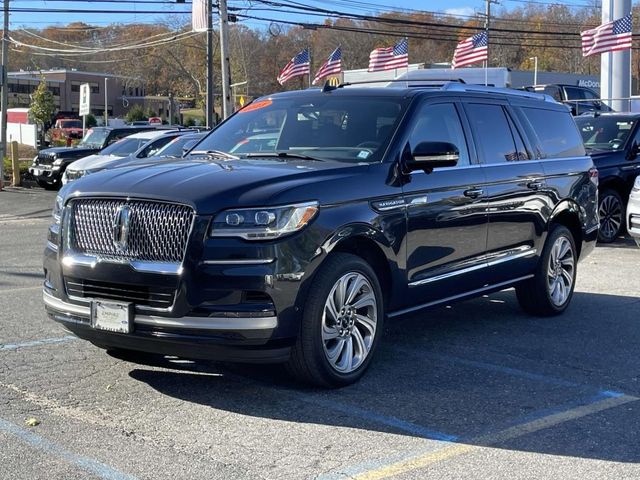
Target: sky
[(40, 20)]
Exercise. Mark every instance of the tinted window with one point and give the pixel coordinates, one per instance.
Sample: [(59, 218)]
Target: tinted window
[(554, 92), (556, 132), (493, 134), (123, 147), (154, 146), (440, 123)]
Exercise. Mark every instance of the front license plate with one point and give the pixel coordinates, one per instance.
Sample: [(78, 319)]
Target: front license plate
[(111, 316)]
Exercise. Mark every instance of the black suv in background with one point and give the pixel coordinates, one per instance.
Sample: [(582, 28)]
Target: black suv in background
[(50, 163), (613, 141), (369, 203), (579, 99)]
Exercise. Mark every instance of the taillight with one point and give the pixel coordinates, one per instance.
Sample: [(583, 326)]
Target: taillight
[(593, 175)]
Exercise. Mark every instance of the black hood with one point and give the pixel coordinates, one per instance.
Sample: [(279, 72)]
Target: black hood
[(211, 185), (64, 152)]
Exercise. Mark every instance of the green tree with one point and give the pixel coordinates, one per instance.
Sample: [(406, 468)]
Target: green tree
[(91, 121), (135, 114), (42, 107)]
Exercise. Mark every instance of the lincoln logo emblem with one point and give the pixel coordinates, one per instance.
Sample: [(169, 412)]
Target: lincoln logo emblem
[(121, 226)]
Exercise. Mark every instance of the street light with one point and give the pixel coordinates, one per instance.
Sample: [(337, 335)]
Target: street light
[(535, 69)]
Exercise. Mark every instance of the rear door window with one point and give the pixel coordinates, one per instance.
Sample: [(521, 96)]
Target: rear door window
[(557, 133), (493, 134)]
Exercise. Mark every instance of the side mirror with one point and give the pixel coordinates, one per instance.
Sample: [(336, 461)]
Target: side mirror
[(429, 155), (633, 151)]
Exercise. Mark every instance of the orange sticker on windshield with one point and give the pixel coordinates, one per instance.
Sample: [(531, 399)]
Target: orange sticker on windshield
[(256, 106)]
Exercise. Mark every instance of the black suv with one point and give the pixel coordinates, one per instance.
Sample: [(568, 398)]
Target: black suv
[(368, 204), (613, 141), (579, 99), (49, 165)]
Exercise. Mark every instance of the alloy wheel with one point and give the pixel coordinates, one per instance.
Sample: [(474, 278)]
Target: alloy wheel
[(560, 272), (610, 212), (349, 322)]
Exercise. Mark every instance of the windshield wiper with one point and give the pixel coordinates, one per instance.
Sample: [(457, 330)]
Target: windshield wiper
[(215, 154), (281, 155)]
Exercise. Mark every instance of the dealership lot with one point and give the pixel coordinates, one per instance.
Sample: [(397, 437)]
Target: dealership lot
[(474, 390)]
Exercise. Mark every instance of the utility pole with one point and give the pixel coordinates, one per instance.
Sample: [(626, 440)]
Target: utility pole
[(106, 104), (487, 22), (227, 106), (4, 100), (209, 106)]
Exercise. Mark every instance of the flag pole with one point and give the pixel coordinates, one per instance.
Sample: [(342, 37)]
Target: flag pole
[(309, 68)]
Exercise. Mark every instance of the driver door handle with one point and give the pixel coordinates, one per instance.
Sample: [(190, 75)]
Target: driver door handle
[(474, 192), (535, 185)]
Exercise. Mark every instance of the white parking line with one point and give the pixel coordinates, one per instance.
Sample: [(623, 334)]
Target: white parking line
[(88, 464), (37, 343)]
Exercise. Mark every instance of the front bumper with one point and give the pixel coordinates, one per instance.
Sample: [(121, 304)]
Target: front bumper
[(227, 339), (46, 173), (633, 216)]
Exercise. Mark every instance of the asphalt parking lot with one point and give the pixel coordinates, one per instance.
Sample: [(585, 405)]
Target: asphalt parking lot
[(477, 390)]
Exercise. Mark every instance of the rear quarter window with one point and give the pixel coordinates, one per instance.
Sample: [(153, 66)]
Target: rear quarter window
[(558, 136)]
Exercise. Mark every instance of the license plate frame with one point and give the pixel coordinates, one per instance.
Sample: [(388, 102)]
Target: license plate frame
[(114, 317), (37, 172)]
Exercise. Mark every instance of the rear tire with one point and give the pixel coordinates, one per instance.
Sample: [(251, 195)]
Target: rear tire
[(611, 210), (341, 323), (550, 291)]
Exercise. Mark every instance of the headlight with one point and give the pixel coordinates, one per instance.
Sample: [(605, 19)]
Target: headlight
[(263, 223), (636, 185), (57, 209), (57, 162)]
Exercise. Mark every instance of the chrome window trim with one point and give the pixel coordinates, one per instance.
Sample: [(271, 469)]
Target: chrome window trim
[(187, 323), (496, 260)]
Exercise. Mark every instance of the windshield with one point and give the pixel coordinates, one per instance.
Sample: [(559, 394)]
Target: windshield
[(348, 129), (124, 147), (94, 138), (174, 148), (604, 133)]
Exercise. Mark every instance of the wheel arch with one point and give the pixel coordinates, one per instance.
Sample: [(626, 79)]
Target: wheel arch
[(372, 246), (569, 215)]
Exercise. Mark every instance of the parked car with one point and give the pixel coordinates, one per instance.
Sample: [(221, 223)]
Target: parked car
[(180, 145), (50, 163), (135, 147), (633, 211), (579, 99), (374, 204), (612, 140), (66, 128)]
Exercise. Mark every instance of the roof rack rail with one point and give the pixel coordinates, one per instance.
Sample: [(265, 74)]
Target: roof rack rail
[(505, 91), (426, 82)]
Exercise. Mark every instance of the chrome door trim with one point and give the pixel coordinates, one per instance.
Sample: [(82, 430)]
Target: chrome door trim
[(489, 261)]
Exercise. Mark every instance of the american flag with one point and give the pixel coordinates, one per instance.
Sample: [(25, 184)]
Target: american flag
[(332, 66), (472, 50), (608, 37), (390, 58), (297, 66)]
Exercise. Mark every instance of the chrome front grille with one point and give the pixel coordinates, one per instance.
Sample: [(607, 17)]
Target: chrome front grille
[(157, 232), (152, 297), (46, 158)]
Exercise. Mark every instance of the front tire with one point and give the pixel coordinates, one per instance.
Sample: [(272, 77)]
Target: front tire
[(550, 291), (341, 323)]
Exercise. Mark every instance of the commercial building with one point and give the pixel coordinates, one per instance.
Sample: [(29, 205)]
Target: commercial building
[(64, 84)]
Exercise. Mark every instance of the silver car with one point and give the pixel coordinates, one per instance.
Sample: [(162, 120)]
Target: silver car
[(633, 212)]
